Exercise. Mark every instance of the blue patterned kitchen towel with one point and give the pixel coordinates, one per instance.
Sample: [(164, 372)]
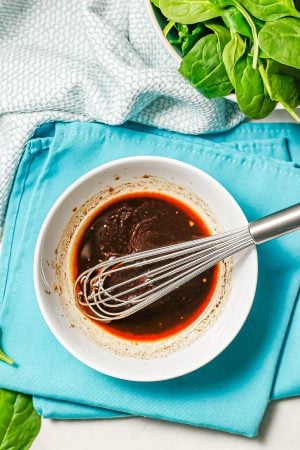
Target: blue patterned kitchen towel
[(95, 60)]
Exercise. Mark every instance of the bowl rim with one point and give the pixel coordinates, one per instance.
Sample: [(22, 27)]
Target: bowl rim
[(41, 297), (169, 47)]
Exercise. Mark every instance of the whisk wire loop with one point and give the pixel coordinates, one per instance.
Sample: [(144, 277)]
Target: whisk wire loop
[(173, 266), (169, 267)]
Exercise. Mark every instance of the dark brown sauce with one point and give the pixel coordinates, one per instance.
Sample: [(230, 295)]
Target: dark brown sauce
[(142, 221)]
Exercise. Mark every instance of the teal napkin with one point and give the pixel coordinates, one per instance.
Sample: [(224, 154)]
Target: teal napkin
[(257, 165)]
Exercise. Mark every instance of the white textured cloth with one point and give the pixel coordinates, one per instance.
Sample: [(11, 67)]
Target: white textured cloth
[(90, 60)]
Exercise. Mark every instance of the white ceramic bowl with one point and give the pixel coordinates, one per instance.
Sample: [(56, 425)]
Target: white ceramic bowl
[(210, 343)]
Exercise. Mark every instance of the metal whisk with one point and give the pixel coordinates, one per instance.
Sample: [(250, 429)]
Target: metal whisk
[(119, 287)]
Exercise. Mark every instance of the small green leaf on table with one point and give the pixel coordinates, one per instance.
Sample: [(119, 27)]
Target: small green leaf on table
[(5, 358), (19, 422)]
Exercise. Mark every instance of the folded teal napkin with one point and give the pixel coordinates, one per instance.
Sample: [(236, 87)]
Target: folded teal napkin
[(257, 164)]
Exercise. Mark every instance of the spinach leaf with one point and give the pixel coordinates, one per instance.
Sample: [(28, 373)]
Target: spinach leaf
[(235, 21), (282, 87), (249, 20), (240, 8), (19, 422), (280, 40), (204, 68), (269, 10), (222, 3), (218, 63), (258, 23), (233, 51), (287, 70), (251, 94), (222, 34), (189, 11), (188, 35)]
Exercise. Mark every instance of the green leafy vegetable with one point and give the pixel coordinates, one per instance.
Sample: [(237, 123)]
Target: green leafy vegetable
[(253, 31), (189, 11), (222, 34), (269, 10), (247, 17), (281, 87), (264, 33), (258, 23), (250, 90), (19, 422), (222, 3), (204, 67), (233, 51), (155, 2), (280, 40), (235, 21), (188, 35)]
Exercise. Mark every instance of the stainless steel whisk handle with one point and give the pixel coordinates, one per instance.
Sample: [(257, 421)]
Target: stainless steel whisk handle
[(275, 225)]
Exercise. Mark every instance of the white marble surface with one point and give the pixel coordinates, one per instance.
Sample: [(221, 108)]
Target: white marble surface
[(280, 429)]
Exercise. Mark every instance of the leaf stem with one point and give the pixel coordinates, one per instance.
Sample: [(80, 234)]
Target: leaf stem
[(253, 29), (5, 358), (291, 111), (265, 79), (168, 27)]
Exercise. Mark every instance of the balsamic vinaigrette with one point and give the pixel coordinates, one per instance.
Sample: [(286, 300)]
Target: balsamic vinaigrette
[(141, 221)]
